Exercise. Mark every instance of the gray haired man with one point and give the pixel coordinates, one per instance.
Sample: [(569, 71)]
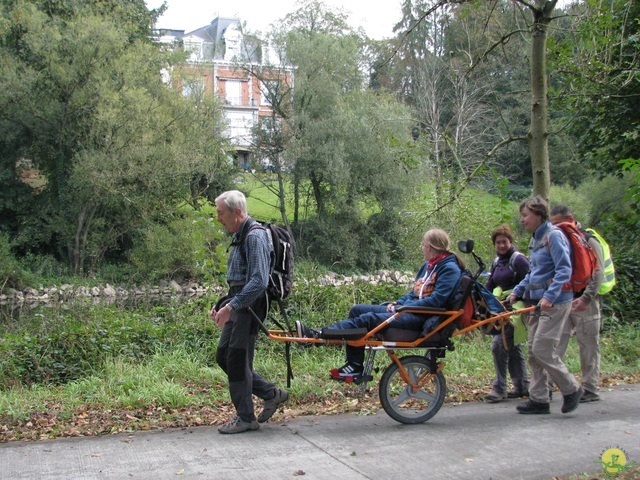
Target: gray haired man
[(248, 269)]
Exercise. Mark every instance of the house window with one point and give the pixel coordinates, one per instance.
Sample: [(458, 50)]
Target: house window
[(195, 51), (269, 90), (233, 90)]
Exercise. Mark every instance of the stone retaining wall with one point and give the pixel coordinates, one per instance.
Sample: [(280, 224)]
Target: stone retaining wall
[(69, 293)]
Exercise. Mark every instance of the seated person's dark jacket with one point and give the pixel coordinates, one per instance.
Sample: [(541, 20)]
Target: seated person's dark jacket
[(437, 290)]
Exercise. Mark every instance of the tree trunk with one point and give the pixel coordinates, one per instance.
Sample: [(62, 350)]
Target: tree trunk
[(538, 137)]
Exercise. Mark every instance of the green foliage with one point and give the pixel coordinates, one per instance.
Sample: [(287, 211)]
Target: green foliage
[(621, 345), (55, 346), (473, 215), (622, 304), (181, 248), (58, 346), (321, 306), (116, 148), (575, 200), (632, 167), (595, 199), (11, 272), (338, 240), (349, 147), (600, 81), (608, 196), (164, 356)]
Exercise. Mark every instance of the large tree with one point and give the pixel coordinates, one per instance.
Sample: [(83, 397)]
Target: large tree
[(421, 26), (83, 103), (347, 145), (600, 74)]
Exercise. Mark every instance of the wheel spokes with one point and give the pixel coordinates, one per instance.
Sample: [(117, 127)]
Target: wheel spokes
[(415, 373)]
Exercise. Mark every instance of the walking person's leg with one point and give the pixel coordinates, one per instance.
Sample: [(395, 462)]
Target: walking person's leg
[(588, 339), (544, 349), (500, 363), (538, 402), (238, 361), (517, 365)]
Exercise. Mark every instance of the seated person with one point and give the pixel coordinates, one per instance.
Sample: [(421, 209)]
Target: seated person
[(434, 285)]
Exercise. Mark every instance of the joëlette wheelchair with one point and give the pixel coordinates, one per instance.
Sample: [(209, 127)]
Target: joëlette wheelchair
[(412, 388)]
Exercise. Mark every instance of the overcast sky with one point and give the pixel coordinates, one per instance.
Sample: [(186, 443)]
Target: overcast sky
[(376, 17)]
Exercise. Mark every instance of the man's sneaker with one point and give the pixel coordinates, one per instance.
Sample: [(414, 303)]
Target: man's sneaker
[(571, 401), (517, 393), (495, 397), (532, 407), (347, 371), (588, 396), (305, 332), (237, 425), (270, 406)]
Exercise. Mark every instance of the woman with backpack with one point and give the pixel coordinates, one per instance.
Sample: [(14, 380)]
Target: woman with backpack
[(507, 270), (543, 287)]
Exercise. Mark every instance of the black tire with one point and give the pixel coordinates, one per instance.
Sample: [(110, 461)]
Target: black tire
[(400, 402)]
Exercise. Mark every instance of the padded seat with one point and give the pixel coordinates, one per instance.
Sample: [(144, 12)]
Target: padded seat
[(345, 334), (440, 339)]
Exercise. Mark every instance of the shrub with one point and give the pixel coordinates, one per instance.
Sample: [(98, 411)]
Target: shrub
[(622, 304), (178, 249), (11, 272), (335, 240), (575, 200), (56, 346)]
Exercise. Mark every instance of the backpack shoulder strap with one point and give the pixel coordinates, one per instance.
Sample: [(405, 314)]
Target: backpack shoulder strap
[(548, 233), (494, 264), (512, 260), (240, 242)]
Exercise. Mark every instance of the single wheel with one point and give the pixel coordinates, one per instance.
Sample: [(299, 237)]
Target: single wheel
[(401, 401)]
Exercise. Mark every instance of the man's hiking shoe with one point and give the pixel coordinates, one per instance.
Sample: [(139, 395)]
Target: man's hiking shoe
[(571, 401), (495, 397), (517, 394), (589, 397), (532, 407), (349, 372), (237, 425), (270, 406), (305, 332)]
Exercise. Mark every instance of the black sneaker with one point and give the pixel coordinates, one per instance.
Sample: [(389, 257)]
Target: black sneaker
[(533, 408), (571, 401), (347, 371), (305, 332)]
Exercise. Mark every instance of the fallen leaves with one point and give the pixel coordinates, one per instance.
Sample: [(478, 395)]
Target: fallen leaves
[(93, 420)]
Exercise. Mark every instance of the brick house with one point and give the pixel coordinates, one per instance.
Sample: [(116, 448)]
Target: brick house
[(222, 62)]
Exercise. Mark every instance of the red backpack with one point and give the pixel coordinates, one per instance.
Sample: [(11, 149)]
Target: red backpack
[(583, 258)]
